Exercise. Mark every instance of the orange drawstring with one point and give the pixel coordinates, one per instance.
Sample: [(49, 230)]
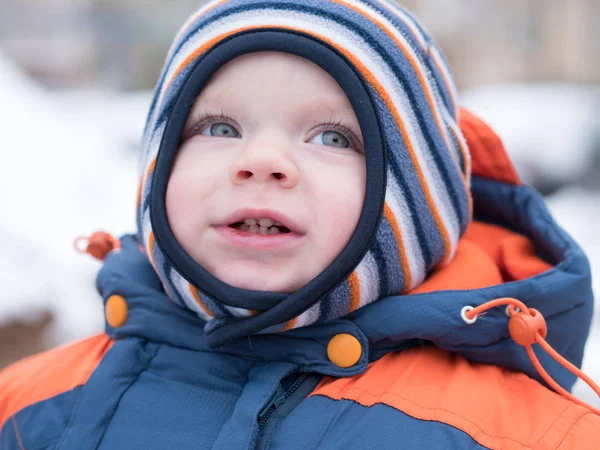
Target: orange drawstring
[(527, 327), (99, 244)]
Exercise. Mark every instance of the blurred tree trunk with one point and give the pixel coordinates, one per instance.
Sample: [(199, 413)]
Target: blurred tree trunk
[(19, 338)]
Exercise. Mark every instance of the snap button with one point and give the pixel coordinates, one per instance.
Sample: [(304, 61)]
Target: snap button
[(116, 311), (344, 350)]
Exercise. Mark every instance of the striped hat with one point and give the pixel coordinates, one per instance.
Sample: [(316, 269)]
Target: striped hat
[(417, 199)]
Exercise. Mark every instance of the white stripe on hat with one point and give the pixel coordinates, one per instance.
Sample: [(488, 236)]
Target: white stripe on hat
[(410, 23), (397, 203), (368, 277), (182, 287), (311, 315)]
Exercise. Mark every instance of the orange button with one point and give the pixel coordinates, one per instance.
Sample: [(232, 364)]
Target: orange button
[(344, 350), (116, 311)]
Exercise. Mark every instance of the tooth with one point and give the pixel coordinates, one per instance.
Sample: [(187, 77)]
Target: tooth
[(253, 228), (265, 223), (273, 230), (250, 221), (244, 227), (278, 224), (263, 230)]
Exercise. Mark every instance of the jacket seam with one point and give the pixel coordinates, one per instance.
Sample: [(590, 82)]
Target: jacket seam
[(79, 400), (560, 416), (46, 443), (360, 392), (575, 422), (73, 411), (17, 433), (142, 370), (463, 418)]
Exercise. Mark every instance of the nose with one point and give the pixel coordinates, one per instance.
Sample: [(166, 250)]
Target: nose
[(263, 163)]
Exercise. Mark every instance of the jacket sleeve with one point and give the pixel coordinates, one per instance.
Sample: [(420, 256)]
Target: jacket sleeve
[(48, 374), (583, 435)]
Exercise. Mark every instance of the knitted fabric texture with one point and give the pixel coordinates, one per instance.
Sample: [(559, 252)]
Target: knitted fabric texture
[(427, 203)]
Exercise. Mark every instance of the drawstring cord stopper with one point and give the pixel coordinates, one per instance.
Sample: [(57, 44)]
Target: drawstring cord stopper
[(524, 328), (99, 244), (527, 326)]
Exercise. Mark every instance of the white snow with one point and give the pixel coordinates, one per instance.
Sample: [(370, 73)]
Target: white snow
[(63, 175), (70, 168), (548, 129)]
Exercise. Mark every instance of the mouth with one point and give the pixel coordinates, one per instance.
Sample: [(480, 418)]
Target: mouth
[(261, 229), (262, 222), (263, 226)]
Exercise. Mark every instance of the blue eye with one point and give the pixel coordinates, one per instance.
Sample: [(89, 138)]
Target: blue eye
[(220, 129), (331, 138)]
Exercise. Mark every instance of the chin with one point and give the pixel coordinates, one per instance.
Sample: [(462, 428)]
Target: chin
[(259, 282), (259, 285)]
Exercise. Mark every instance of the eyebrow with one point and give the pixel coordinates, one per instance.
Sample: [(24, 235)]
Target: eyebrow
[(211, 102), (334, 106), (331, 103)]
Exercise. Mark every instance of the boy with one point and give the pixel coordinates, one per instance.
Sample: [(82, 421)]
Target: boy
[(306, 262)]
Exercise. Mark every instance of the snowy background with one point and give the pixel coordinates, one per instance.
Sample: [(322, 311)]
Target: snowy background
[(70, 154)]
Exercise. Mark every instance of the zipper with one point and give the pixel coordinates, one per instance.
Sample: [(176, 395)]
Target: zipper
[(275, 401), (281, 403)]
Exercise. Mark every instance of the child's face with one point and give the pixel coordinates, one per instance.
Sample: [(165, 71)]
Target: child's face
[(271, 155)]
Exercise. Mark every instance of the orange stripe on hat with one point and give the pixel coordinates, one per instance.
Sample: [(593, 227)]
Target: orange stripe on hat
[(144, 179), (138, 199), (375, 84), (39, 377), (391, 218), (151, 242), (151, 249), (354, 283), (150, 169), (196, 296), (290, 324)]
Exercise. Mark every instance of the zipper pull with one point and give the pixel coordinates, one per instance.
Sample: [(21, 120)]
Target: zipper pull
[(276, 400)]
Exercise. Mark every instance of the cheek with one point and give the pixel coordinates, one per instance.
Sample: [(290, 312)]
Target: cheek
[(177, 203), (341, 197), (188, 193), (176, 200)]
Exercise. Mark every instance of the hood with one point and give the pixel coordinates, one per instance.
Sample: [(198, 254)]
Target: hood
[(553, 277), (417, 199)]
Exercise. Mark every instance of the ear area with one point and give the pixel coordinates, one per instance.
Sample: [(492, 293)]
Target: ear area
[(488, 155)]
